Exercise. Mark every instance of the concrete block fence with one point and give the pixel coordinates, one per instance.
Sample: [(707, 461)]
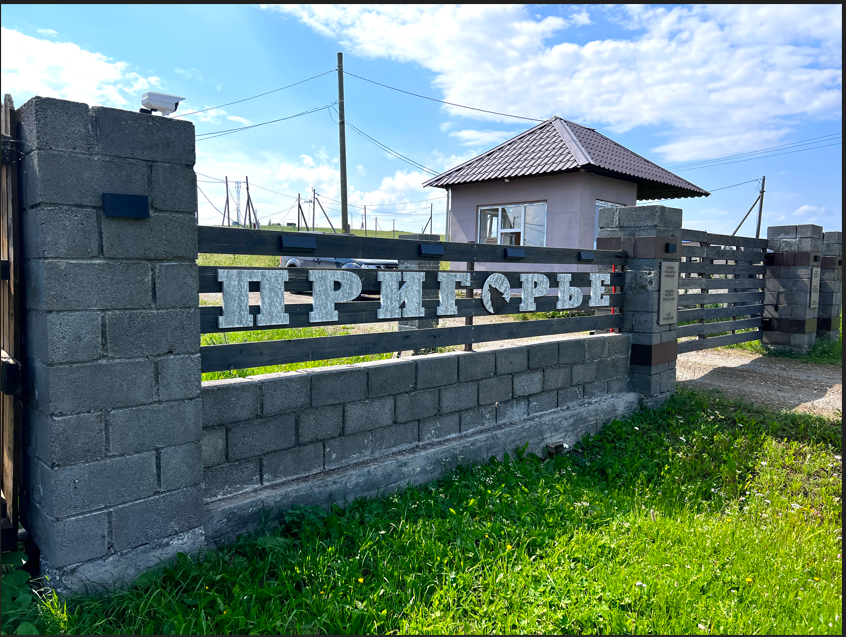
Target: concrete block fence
[(130, 459), (831, 286)]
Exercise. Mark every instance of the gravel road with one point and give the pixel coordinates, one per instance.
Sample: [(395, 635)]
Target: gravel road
[(778, 383)]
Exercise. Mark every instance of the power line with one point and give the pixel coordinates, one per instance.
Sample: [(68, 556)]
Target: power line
[(472, 108), (204, 136), (397, 203), (246, 99), (209, 200), (760, 157), (751, 181), (755, 152)]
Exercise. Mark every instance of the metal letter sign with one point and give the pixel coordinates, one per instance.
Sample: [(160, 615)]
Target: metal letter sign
[(668, 302), (815, 288)]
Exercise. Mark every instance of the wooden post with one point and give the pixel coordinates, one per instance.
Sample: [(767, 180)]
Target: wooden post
[(365, 221)]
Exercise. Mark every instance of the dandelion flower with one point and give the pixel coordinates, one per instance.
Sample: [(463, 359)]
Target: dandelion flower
[(508, 547), (816, 579), (749, 579), (361, 580)]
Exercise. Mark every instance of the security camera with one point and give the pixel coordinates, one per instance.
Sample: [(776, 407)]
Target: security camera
[(162, 102)]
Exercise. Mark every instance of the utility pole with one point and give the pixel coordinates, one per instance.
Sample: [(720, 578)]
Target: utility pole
[(299, 212), (393, 228), (345, 223), (365, 221), (237, 203), (760, 207), (431, 226), (313, 210), (227, 218)]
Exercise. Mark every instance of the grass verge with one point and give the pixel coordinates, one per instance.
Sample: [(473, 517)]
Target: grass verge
[(823, 352), (702, 516)]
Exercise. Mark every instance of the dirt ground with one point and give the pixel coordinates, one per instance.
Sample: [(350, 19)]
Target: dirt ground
[(777, 383)]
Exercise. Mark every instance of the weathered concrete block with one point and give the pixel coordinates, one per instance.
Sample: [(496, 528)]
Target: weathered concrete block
[(543, 355), (177, 285), (612, 367), (434, 371), (596, 389), (261, 436), (70, 540), (157, 425), (476, 365), (213, 444), (294, 463), (348, 449), (391, 378), (394, 437), (336, 386), (157, 517), (229, 400), (781, 232), (76, 489), (478, 417), (571, 351), (557, 377), (512, 410), (618, 385), (531, 382), (414, 405), (181, 466), (53, 124), (512, 359), (646, 385), (64, 337), (321, 423), (596, 346), (179, 377), (67, 440), (638, 281), (458, 397), (231, 477), (493, 390), (648, 216), (368, 414), (150, 333), (60, 232), (569, 395), (82, 285), (543, 401), (809, 231), (618, 344), (122, 133), (174, 188), (89, 387), (162, 236), (53, 177), (284, 392), (438, 427)]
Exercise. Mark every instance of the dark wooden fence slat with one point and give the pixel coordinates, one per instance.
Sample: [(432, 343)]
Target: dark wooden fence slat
[(741, 242), (699, 283), (298, 279), (263, 353), (720, 312), (246, 241), (718, 341), (714, 328), (719, 268), (365, 312), (731, 297)]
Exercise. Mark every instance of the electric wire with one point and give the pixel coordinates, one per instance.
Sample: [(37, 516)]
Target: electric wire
[(204, 136), (425, 97), (755, 152), (209, 200), (246, 99), (737, 161)]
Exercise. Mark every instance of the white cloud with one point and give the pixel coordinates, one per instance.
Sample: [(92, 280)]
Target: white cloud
[(486, 138), (806, 210), (49, 32), (240, 120), (581, 18), (31, 66), (361, 170), (724, 73), (189, 74)]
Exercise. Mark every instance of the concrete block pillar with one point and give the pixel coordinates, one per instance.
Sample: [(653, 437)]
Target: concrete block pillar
[(649, 235), (112, 422), (831, 286), (790, 308)]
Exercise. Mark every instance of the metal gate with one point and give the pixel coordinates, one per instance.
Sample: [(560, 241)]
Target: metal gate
[(721, 290), (11, 295)]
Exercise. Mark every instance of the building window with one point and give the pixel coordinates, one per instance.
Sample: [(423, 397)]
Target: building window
[(599, 205), (514, 225)]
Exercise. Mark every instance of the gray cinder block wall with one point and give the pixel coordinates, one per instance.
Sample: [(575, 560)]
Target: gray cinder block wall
[(113, 418), (334, 434), (646, 234), (831, 286), (789, 321)]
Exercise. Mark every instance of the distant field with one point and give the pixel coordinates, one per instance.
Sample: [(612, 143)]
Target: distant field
[(382, 234)]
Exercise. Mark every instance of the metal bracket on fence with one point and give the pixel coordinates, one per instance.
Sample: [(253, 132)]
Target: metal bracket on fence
[(428, 250), (298, 243), (514, 254)]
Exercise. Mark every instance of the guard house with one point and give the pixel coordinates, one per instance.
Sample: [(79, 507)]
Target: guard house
[(545, 187)]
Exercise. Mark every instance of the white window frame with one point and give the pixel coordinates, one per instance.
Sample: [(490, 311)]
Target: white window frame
[(500, 231)]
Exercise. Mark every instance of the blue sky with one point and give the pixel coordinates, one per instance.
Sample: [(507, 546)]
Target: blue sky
[(676, 84)]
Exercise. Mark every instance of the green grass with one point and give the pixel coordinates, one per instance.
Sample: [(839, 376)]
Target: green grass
[(823, 352), (703, 516)]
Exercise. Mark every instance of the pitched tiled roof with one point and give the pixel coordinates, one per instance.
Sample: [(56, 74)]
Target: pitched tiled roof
[(558, 146)]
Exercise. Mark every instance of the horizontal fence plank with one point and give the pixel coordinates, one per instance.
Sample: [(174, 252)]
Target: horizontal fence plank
[(700, 283), (365, 312), (264, 353), (246, 241), (694, 235), (740, 242), (730, 297), (720, 312), (718, 341), (298, 279), (717, 268), (746, 254), (715, 328), (693, 251)]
